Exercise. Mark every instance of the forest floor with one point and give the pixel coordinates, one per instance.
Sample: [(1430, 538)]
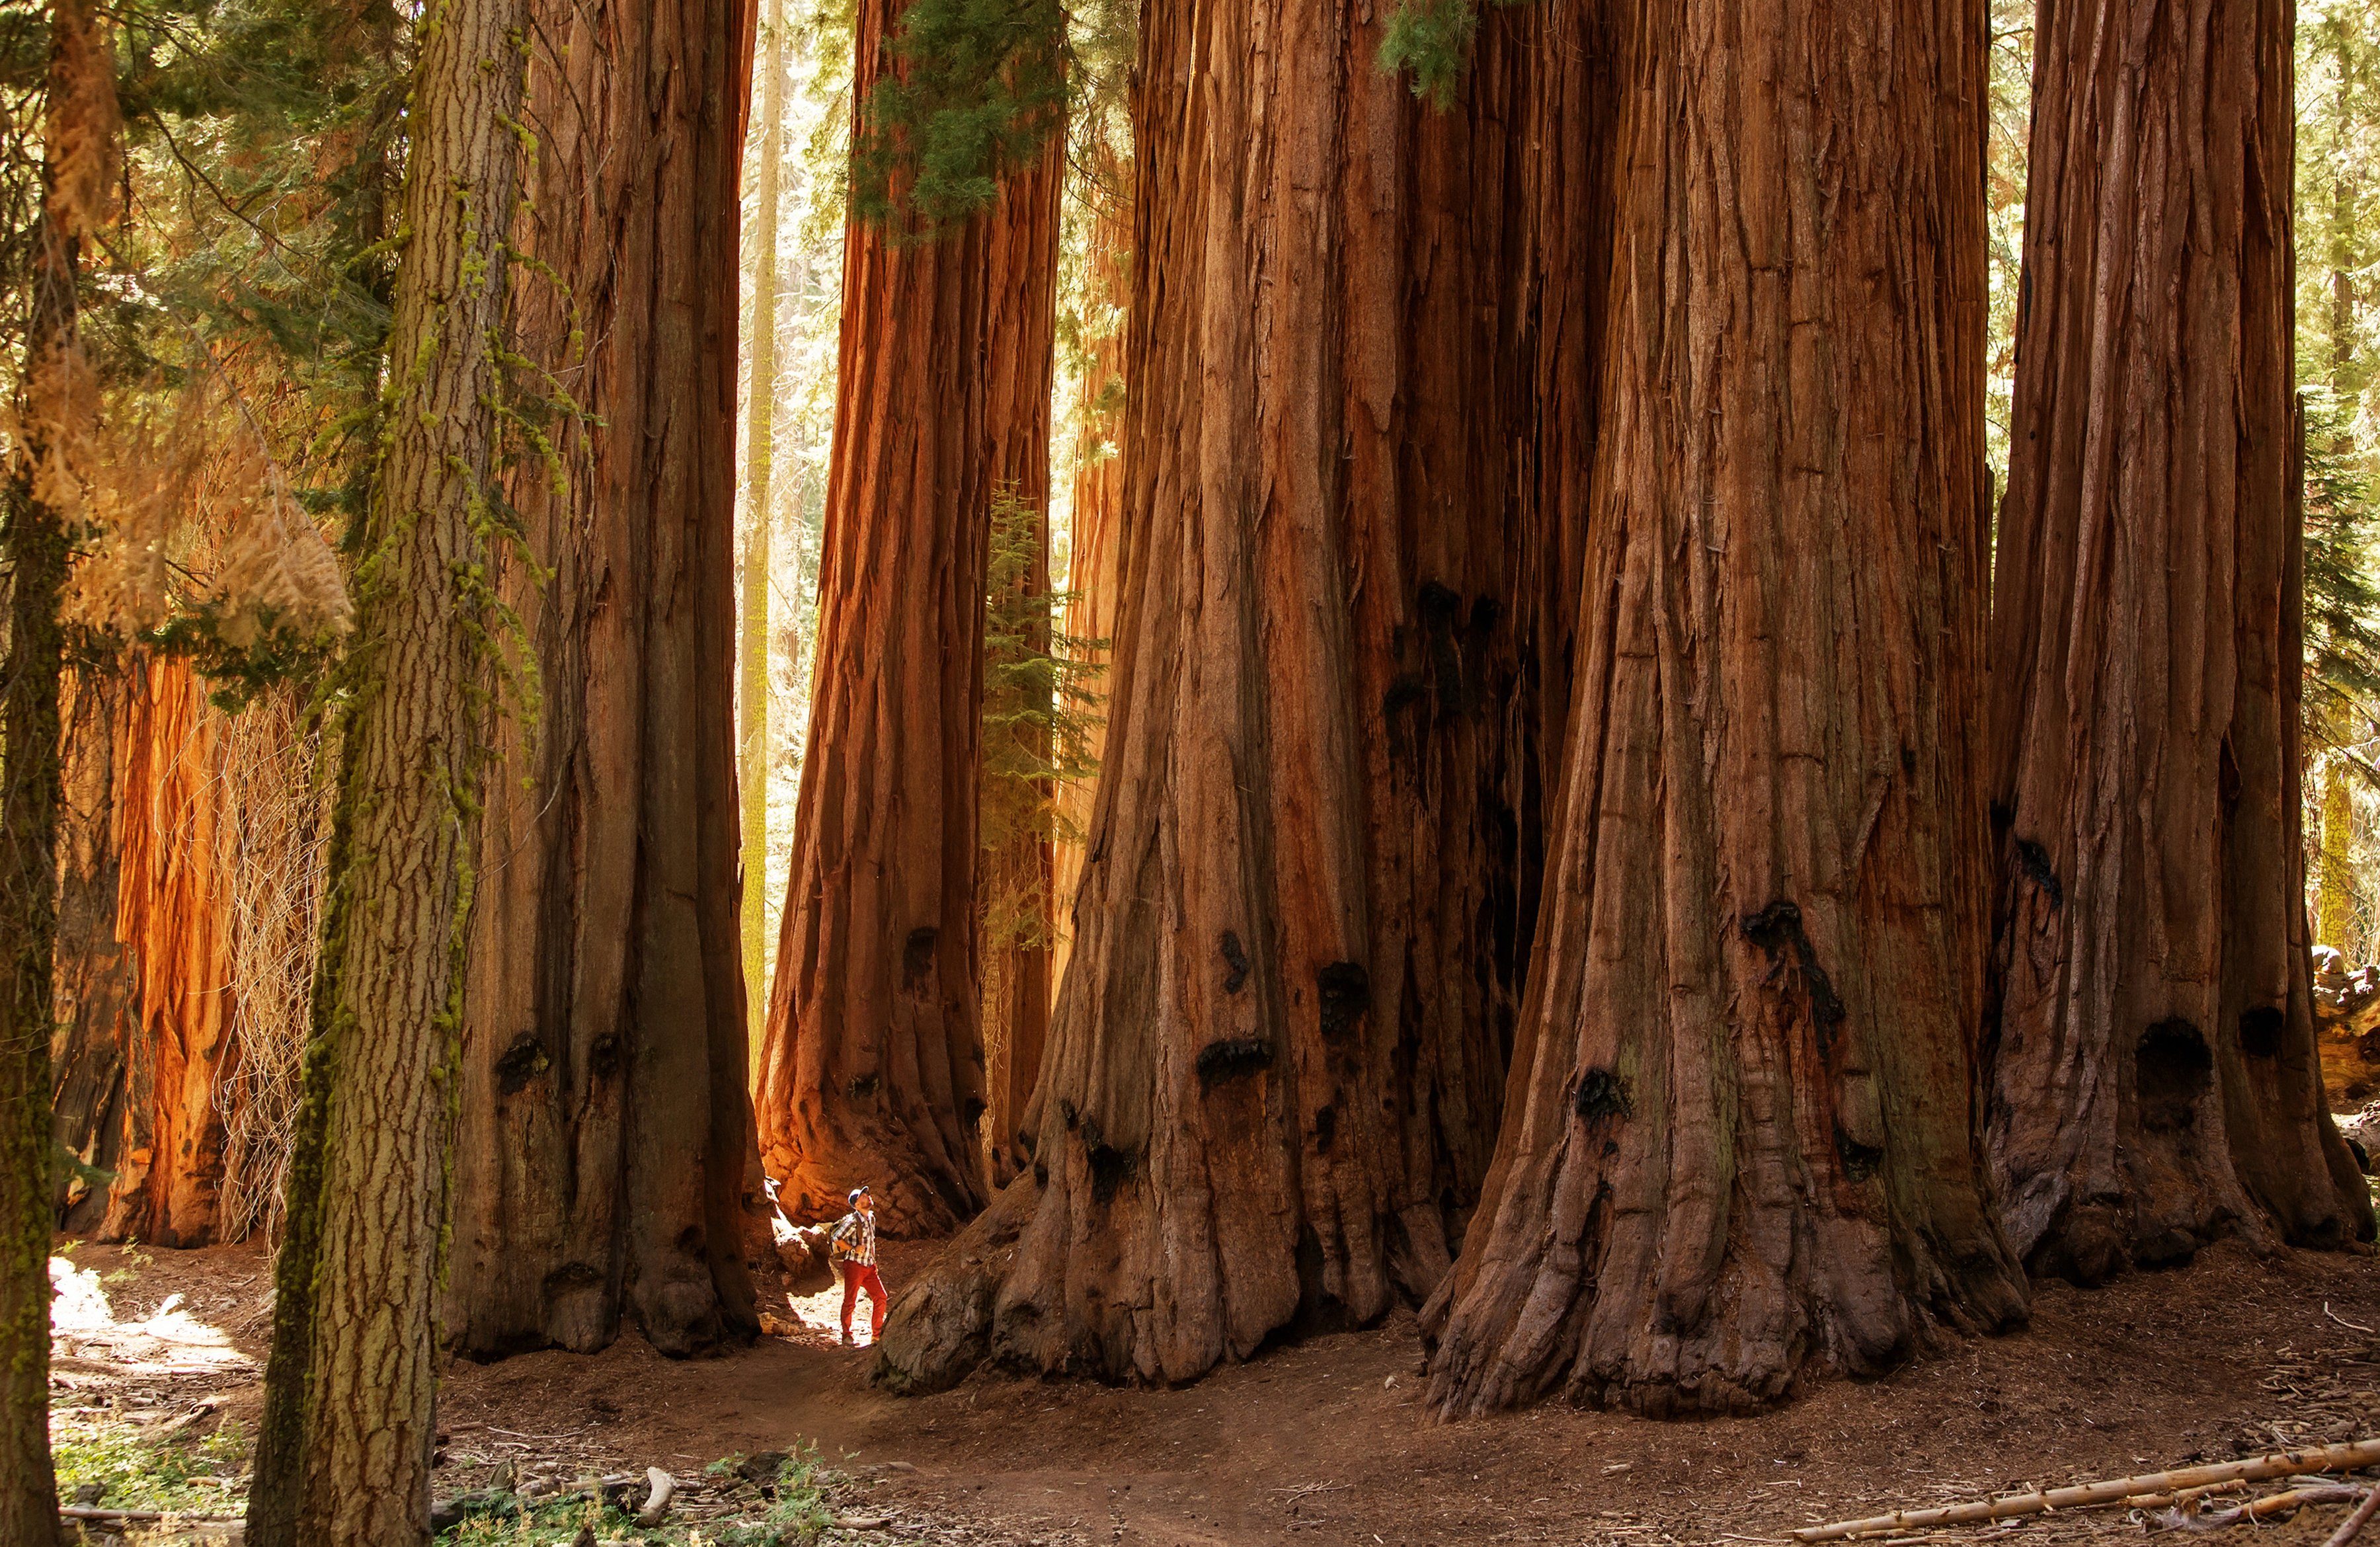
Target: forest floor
[(1322, 1442)]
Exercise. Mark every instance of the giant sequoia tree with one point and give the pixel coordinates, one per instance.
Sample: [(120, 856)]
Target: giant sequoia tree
[(1740, 1144), (1274, 1065), (605, 1125), (2152, 1075), (872, 1067)]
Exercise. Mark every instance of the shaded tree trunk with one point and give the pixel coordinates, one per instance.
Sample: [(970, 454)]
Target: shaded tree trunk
[(1274, 1064), (602, 1168), (2153, 1083), (1738, 1149), (98, 991), (1019, 876), (381, 1078), (42, 502)]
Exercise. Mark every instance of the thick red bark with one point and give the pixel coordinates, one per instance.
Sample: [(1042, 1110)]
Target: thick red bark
[(2153, 1083), (1019, 877), (873, 1067), (601, 1168), (1275, 1064), (1738, 1149)]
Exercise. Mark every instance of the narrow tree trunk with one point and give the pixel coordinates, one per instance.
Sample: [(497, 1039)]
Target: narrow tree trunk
[(601, 1171), (760, 454), (872, 1066), (2152, 1075), (2335, 886), (361, 1475), (1739, 1147), (1094, 539), (1018, 880), (98, 991), (43, 504), (1274, 1063)]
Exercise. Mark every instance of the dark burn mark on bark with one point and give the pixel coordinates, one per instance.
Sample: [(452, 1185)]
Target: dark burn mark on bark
[(1908, 762), (1236, 956), (1777, 928), (2034, 860), (863, 1086), (2260, 1030), (1405, 690), (917, 957), (1343, 991), (1603, 1094), (1441, 613), (604, 1058), (1230, 1058), (1070, 1113), (2171, 1069), (1860, 1161), (1025, 1141), (1110, 1167), (971, 1111), (521, 1063), (1326, 1129)]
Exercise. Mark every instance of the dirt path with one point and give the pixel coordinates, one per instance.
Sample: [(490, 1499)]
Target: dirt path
[(1325, 1442)]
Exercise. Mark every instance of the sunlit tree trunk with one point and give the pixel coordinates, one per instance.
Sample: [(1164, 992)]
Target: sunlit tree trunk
[(601, 1173), (1738, 1148), (2153, 1083), (759, 456), (1274, 1066), (360, 1474), (1094, 539), (2335, 886), (872, 1069)]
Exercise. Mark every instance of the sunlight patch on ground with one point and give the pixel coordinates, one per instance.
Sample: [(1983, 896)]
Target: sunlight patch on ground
[(85, 1324)]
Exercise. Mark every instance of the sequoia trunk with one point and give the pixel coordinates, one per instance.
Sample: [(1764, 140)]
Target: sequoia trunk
[(1738, 1146), (605, 1121), (2153, 1080), (98, 991), (1019, 876), (1274, 1067), (873, 1069), (1094, 537)]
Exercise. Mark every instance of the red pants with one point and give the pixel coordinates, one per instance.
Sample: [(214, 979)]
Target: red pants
[(854, 1279)]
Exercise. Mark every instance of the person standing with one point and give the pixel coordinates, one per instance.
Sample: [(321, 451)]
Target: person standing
[(851, 1243)]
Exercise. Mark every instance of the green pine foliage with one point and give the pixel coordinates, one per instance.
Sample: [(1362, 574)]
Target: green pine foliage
[(977, 89), (2342, 599), (1039, 712)]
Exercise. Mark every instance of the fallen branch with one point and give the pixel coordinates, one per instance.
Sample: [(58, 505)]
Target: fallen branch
[(2354, 1523), (658, 1505), (2352, 1456), (141, 1516), (2286, 1503)]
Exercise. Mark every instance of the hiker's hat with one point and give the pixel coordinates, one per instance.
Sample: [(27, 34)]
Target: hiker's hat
[(856, 1194)]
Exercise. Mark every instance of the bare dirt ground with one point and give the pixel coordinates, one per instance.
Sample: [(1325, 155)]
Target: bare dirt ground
[(1325, 1442)]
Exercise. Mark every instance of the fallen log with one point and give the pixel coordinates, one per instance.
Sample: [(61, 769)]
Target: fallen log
[(2350, 1456), (2349, 1528), (89, 1516), (2287, 1502)]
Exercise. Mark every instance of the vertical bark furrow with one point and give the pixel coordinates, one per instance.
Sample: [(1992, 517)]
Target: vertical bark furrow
[(1738, 1146), (2153, 1075)]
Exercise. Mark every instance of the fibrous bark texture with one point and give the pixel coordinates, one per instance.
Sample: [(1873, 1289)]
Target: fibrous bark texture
[(171, 922), (358, 1280), (872, 1069), (2154, 1082), (1094, 534), (606, 1126), (1738, 1146), (97, 991), (1274, 1068), (1018, 881)]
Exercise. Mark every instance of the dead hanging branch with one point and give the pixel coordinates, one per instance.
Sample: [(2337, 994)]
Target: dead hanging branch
[(2350, 1456)]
